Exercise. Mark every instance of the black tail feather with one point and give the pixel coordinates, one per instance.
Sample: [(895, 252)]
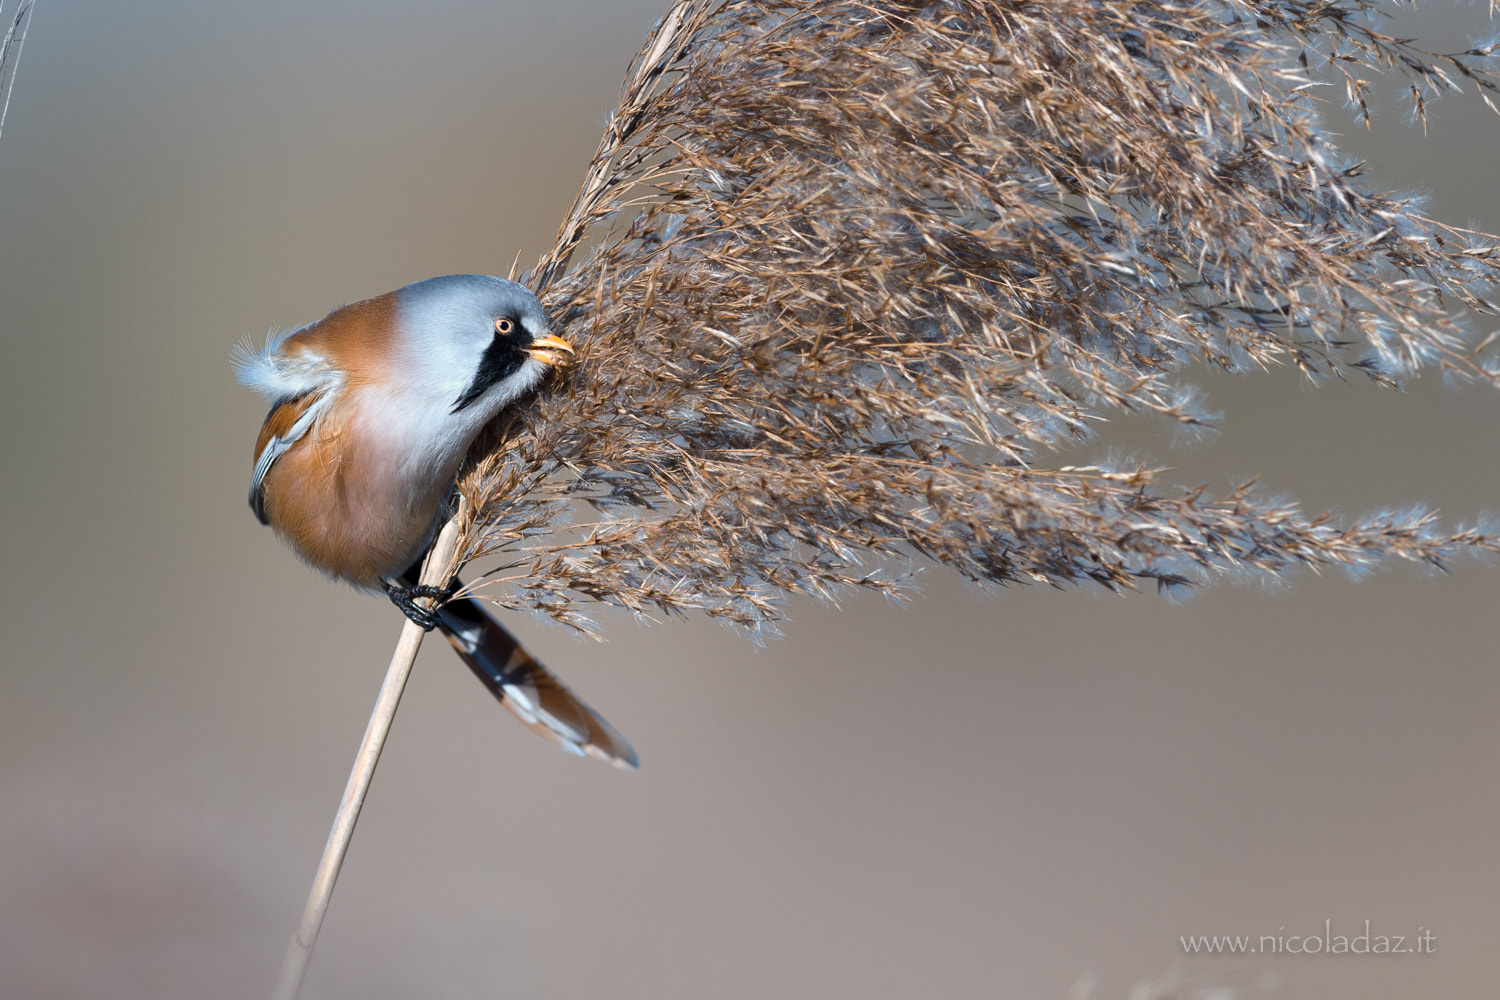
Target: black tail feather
[(529, 690)]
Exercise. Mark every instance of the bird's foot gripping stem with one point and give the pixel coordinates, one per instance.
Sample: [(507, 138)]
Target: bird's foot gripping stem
[(405, 597)]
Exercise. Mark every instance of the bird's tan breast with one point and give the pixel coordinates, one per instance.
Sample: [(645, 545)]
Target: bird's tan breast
[(332, 497)]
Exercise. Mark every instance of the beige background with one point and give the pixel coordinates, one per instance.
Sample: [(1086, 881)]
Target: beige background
[(977, 795)]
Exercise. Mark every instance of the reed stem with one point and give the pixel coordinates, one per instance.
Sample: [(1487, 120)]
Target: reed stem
[(299, 949)]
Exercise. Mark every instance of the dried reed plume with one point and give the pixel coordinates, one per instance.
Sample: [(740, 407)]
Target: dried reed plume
[(856, 266)]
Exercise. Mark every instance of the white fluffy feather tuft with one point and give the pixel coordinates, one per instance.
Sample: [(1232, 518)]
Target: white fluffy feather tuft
[(275, 375)]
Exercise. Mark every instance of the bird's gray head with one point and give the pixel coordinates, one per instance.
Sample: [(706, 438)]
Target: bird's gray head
[(476, 342)]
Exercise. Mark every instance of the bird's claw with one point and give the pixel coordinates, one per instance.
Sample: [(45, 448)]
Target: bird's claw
[(406, 598)]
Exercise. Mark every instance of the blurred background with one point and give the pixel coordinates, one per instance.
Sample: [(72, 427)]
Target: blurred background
[(977, 794)]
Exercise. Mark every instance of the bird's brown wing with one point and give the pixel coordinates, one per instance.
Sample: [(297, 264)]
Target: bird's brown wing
[(288, 421)]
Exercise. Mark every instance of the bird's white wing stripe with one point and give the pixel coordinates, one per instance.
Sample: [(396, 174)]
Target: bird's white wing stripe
[(277, 446)]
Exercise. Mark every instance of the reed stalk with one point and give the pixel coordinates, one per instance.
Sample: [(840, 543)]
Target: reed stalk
[(299, 949)]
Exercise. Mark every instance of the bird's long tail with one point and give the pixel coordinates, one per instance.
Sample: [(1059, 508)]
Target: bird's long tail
[(531, 691)]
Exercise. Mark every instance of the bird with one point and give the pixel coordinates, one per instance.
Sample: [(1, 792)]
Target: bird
[(373, 408)]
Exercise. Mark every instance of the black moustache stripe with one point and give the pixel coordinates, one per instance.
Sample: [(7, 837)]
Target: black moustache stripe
[(501, 359)]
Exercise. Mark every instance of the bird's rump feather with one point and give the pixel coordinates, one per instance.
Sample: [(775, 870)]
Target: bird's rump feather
[(276, 375)]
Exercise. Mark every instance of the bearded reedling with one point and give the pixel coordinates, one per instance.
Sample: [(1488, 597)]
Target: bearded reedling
[(373, 408)]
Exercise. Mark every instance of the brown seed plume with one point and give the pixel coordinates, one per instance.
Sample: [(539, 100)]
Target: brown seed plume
[(842, 273)]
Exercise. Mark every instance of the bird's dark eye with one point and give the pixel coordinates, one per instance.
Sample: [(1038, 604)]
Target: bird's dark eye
[(505, 327)]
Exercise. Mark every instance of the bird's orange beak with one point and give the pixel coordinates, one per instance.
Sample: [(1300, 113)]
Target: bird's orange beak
[(551, 350)]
